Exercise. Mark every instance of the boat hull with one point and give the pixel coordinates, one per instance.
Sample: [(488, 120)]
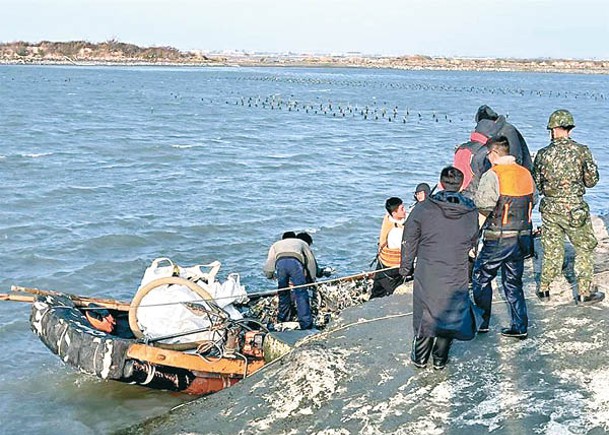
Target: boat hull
[(65, 330)]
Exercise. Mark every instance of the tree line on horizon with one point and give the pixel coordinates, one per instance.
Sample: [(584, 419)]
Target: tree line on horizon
[(82, 50)]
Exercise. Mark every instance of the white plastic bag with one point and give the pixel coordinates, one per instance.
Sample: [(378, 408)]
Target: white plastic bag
[(229, 292), (164, 267), (160, 313), (195, 274), (156, 271)]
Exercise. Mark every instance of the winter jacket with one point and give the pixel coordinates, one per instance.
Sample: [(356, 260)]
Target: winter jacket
[(439, 233), (506, 195), (295, 248), (563, 170), (518, 146), (470, 157)]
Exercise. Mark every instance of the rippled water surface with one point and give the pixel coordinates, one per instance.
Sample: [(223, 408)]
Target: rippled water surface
[(102, 169)]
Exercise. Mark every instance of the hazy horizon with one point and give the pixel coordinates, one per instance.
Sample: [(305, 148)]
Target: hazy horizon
[(228, 52), (518, 29)]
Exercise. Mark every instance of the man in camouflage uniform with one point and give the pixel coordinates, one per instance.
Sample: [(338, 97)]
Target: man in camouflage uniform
[(562, 171)]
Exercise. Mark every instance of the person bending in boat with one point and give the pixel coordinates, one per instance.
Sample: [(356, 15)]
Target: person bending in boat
[(390, 242), (321, 271), (439, 233), (292, 262)]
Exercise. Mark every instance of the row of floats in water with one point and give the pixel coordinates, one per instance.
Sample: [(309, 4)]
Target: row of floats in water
[(379, 83), (389, 113)]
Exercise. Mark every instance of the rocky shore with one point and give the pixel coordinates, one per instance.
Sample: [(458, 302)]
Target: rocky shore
[(117, 53)]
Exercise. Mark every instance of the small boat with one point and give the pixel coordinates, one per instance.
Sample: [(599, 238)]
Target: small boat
[(62, 324), (66, 324)]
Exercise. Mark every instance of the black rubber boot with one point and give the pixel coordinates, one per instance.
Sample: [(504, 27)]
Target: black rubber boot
[(440, 352), (543, 293), (510, 332), (421, 349), (592, 298)]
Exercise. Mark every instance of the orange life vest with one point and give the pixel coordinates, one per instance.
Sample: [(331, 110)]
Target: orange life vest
[(515, 205), (389, 257)]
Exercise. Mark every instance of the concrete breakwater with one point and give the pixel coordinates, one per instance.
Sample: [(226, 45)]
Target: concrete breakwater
[(356, 377)]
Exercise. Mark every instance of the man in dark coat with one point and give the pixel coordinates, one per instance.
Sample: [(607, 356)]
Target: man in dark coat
[(439, 233), (518, 146)]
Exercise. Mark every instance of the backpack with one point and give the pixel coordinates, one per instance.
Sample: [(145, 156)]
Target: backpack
[(463, 162)]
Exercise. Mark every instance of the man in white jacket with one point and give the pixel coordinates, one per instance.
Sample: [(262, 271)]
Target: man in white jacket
[(390, 243)]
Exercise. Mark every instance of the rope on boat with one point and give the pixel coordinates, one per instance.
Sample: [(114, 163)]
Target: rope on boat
[(212, 328), (361, 275)]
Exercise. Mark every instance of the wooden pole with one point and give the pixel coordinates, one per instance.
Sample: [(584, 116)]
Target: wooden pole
[(16, 297), (79, 301)]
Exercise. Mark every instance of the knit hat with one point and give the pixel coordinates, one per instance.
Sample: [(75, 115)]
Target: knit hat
[(423, 187)]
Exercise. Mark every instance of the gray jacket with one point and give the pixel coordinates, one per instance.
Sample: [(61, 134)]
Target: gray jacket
[(295, 248)]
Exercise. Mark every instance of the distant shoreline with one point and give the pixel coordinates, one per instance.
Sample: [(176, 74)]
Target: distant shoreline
[(436, 64), (114, 53)]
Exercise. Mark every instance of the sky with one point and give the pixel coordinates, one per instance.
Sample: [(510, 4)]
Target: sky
[(463, 28)]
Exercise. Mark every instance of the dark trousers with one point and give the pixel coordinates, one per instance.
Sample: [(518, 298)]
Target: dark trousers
[(290, 270), (385, 282), (507, 254), (470, 268), (423, 347)]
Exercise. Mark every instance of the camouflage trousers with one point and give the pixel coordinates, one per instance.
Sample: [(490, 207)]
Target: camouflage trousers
[(554, 228)]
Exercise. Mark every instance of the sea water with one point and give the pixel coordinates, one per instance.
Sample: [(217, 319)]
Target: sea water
[(103, 169)]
